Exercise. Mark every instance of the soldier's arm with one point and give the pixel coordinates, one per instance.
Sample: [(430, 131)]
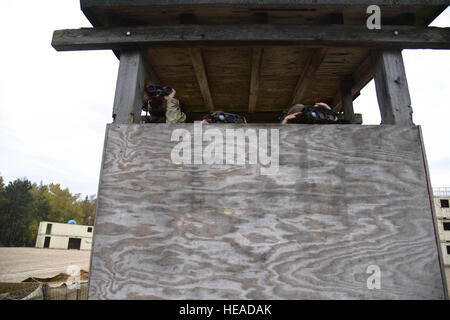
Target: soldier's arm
[(290, 117), (173, 111)]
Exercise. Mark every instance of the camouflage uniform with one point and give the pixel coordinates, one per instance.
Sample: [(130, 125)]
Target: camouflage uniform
[(298, 107), (156, 116), (173, 111)]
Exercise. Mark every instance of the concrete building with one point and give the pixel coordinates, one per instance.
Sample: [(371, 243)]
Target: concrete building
[(441, 204), (55, 235)]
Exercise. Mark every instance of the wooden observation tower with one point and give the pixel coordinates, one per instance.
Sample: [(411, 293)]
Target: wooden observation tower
[(344, 198)]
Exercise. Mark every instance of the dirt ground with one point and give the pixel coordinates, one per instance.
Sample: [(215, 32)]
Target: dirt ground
[(17, 264)]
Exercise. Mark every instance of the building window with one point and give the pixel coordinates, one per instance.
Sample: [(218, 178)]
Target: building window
[(49, 228), (447, 226), (444, 203), (448, 249), (90, 228)]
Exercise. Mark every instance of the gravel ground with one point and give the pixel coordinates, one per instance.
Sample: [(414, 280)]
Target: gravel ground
[(17, 264)]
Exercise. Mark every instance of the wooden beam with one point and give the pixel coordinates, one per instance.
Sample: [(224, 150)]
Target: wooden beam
[(259, 34), (306, 78), (151, 75), (171, 3), (362, 75), (347, 99), (302, 77), (336, 18), (202, 79), (129, 88), (236, 108), (257, 54), (256, 117), (392, 88), (188, 18), (260, 18)]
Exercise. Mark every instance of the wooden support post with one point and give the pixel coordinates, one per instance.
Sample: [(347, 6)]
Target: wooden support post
[(306, 78), (257, 54), (360, 77), (347, 99), (392, 88), (45, 290), (129, 88), (202, 79)]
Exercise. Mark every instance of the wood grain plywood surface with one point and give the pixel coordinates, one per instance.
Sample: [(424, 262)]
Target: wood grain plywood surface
[(335, 207)]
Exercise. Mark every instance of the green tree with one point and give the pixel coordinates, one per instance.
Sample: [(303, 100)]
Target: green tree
[(64, 206), (15, 207), (40, 211), (2, 211), (88, 205), (24, 205)]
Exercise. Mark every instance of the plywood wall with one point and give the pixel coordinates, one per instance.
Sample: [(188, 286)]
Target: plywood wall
[(310, 231)]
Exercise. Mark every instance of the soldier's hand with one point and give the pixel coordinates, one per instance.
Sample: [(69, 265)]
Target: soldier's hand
[(171, 95), (290, 117), (322, 104)]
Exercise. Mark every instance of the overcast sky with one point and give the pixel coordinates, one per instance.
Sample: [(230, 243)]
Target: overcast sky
[(54, 106)]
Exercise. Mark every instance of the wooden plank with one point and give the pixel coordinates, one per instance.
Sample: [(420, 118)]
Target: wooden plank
[(280, 70), (347, 99), (260, 34), (306, 79), (229, 74), (129, 88), (363, 74), (174, 68), (302, 78), (202, 79), (361, 77), (289, 3), (229, 71), (108, 16), (335, 207), (392, 88), (152, 76), (256, 117), (433, 213), (257, 55)]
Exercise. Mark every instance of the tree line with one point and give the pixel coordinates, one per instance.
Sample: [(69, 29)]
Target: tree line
[(23, 205)]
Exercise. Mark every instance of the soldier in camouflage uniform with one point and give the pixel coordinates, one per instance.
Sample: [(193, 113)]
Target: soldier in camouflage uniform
[(153, 115), (173, 110), (167, 110)]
